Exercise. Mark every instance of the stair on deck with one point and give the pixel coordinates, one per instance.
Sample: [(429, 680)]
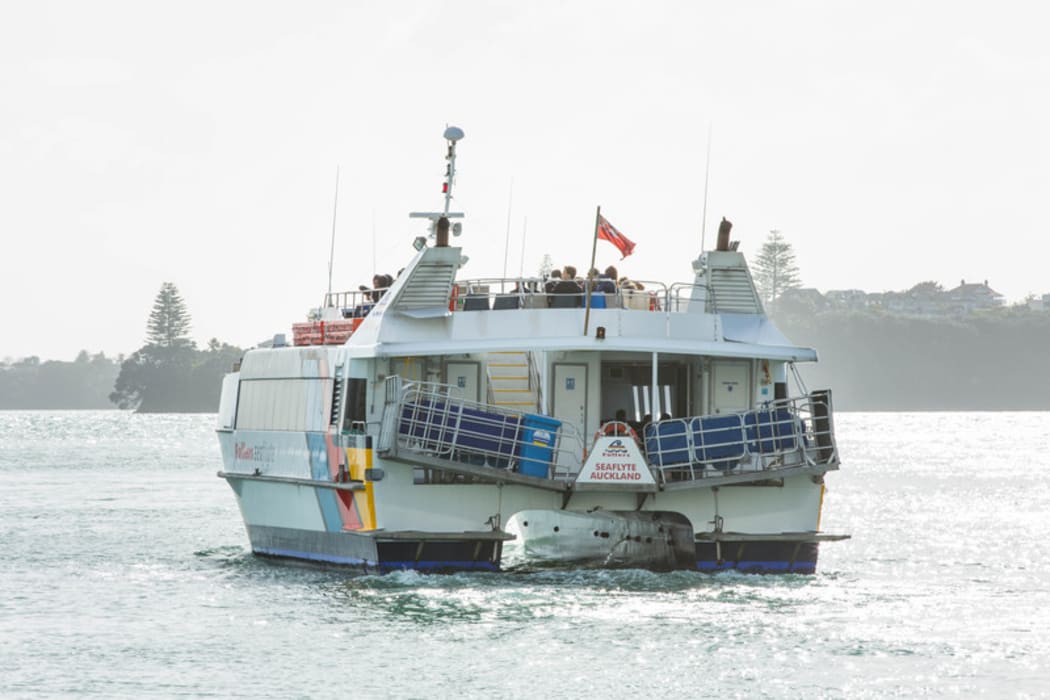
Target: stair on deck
[(508, 376)]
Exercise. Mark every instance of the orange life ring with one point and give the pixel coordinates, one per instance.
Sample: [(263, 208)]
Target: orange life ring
[(617, 428)]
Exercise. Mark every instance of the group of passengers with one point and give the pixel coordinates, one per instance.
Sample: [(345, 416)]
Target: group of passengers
[(565, 289)]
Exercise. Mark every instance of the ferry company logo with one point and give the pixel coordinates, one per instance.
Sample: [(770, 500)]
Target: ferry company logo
[(255, 453), (616, 448)]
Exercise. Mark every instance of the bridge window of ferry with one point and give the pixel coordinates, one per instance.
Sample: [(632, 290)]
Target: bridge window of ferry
[(355, 414)]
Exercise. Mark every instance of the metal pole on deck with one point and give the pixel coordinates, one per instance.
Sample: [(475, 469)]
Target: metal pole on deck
[(656, 387), (586, 279)]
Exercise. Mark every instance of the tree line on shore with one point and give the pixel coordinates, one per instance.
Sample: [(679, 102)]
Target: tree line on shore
[(871, 359), (169, 374)]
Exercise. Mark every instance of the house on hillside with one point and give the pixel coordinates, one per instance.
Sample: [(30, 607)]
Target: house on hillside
[(967, 298), (851, 299), (799, 299)]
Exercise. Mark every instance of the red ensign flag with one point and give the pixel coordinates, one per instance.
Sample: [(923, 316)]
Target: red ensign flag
[(608, 232)]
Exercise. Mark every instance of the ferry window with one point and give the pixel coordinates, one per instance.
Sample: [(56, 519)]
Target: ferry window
[(355, 404)]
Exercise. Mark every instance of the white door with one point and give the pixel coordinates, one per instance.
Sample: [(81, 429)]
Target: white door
[(730, 386), (465, 377), (569, 392)]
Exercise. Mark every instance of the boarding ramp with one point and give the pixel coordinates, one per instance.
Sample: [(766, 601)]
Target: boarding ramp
[(432, 424)]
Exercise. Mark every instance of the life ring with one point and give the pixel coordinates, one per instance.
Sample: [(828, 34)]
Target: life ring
[(615, 428)]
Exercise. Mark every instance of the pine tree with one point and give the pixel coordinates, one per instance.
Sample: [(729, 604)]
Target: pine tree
[(169, 322), (775, 270), (546, 266)]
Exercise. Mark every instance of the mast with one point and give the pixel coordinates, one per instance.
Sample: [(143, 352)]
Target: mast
[(439, 224)]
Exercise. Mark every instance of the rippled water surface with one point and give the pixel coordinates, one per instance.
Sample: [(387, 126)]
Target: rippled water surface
[(126, 573)]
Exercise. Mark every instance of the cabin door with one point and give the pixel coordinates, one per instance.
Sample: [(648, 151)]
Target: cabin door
[(730, 386), (569, 393), (465, 377)]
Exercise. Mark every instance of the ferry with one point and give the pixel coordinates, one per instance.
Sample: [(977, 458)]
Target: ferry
[(449, 423)]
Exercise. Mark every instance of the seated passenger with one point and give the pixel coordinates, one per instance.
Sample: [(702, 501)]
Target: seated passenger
[(566, 292)]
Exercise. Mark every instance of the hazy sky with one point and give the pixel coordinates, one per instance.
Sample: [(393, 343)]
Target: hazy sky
[(197, 143)]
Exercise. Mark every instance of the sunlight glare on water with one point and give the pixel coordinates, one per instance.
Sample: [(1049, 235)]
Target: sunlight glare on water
[(127, 573)]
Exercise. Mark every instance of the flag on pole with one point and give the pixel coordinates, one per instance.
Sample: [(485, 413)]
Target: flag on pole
[(608, 232)]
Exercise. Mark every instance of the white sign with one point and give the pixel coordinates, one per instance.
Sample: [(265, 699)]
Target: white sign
[(615, 460)]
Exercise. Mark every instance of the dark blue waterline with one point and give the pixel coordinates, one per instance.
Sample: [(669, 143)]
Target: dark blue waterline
[(759, 566)]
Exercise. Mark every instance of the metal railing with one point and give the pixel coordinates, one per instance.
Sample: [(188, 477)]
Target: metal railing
[(500, 294), (787, 433), (354, 304), (431, 419)]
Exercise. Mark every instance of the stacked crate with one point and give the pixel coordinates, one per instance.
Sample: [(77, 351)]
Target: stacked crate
[(333, 332)]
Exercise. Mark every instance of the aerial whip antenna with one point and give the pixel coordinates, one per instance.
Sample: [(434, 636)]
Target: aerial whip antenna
[(524, 230), (707, 171), (506, 245), (335, 209)]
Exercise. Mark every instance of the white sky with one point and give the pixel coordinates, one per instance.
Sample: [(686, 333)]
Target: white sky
[(197, 142)]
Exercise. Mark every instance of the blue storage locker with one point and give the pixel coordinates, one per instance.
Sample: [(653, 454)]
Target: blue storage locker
[(538, 434)]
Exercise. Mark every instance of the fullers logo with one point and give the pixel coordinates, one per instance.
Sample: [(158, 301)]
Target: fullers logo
[(255, 453), (616, 448)]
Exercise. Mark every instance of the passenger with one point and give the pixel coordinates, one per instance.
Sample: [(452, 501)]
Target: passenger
[(566, 293), (380, 285), (606, 283), (554, 278)]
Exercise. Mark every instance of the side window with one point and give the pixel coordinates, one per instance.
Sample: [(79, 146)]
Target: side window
[(355, 404)]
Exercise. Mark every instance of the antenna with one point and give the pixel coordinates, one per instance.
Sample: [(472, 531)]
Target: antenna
[(335, 209), (707, 170), (506, 245), (524, 230)]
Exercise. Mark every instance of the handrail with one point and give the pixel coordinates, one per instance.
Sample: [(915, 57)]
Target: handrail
[(354, 304), (507, 293), (535, 382), (779, 434), (682, 295), (430, 419)]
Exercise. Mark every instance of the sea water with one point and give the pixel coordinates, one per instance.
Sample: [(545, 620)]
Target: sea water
[(126, 573)]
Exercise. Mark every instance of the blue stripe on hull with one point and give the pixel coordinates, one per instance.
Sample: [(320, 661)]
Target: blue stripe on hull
[(759, 567), (438, 566), (758, 557)]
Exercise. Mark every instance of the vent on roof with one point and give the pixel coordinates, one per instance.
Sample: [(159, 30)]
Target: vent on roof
[(429, 287), (732, 291)]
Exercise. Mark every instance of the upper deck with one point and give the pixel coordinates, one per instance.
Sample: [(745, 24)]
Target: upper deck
[(429, 311)]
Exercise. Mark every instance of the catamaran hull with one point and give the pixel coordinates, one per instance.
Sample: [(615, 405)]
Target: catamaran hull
[(295, 520), (758, 556), (373, 553)]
